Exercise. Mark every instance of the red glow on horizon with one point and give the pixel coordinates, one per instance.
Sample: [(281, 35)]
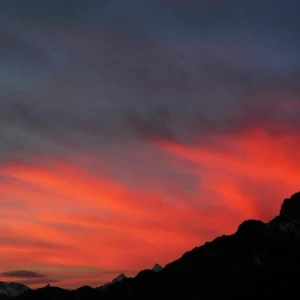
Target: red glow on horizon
[(64, 217)]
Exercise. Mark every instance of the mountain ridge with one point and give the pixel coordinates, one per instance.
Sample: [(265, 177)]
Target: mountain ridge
[(258, 261)]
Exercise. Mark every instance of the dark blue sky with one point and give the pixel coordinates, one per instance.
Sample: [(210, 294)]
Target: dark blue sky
[(162, 68)]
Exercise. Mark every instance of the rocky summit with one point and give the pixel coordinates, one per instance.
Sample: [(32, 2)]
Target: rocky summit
[(259, 261), (290, 208)]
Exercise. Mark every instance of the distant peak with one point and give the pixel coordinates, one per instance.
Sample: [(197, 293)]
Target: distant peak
[(157, 268), (119, 278)]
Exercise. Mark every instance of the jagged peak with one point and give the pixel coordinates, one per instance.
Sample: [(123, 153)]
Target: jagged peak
[(119, 278), (290, 208), (157, 268)]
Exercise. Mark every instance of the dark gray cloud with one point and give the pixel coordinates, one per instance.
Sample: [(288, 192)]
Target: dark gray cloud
[(87, 74), (22, 274), (28, 277), (16, 47)]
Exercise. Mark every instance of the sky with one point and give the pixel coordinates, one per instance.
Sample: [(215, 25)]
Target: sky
[(132, 131)]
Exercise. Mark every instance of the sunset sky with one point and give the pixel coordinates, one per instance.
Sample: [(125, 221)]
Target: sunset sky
[(132, 131)]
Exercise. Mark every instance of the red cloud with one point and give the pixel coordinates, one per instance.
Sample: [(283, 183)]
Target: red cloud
[(63, 217)]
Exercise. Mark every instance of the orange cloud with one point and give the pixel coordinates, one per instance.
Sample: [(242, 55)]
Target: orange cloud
[(61, 220)]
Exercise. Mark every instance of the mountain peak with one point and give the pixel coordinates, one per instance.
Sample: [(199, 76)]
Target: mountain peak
[(119, 278), (290, 208), (157, 268)]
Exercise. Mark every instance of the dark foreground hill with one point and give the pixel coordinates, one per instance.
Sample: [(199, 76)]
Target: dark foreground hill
[(260, 261)]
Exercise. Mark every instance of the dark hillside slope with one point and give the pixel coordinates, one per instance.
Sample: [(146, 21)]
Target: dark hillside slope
[(260, 261)]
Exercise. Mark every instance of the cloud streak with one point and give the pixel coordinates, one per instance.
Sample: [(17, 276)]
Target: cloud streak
[(27, 277), (22, 274)]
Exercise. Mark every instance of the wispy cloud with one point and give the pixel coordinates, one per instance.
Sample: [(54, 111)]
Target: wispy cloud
[(22, 274)]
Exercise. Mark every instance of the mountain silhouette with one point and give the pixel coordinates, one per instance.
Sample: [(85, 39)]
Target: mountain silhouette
[(259, 261)]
